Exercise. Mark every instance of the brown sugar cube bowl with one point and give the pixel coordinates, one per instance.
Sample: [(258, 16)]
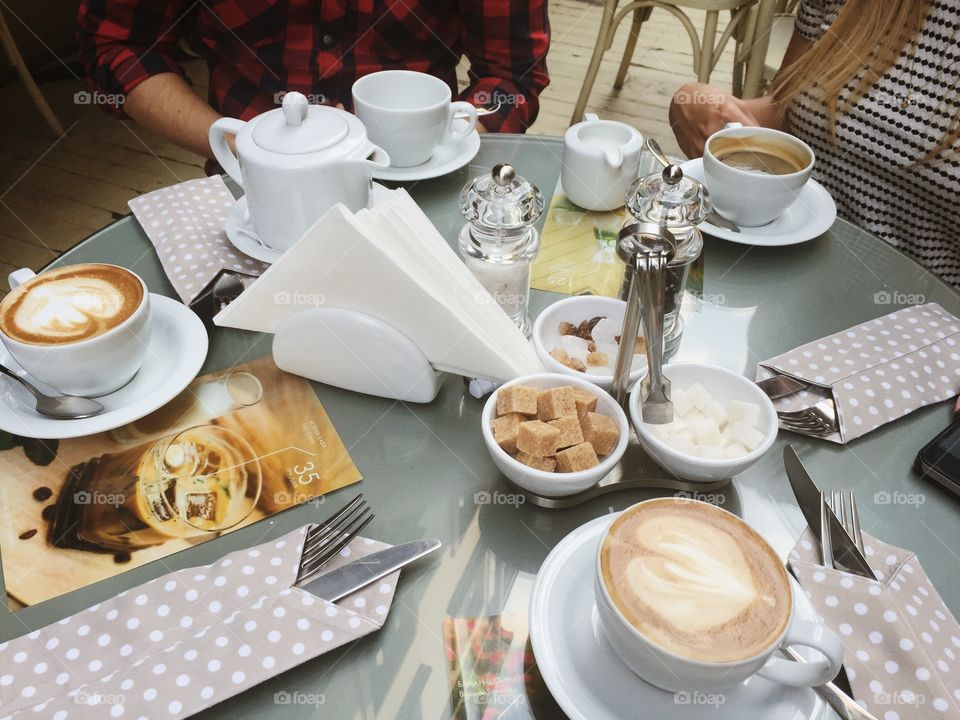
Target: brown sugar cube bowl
[(554, 484), (546, 334)]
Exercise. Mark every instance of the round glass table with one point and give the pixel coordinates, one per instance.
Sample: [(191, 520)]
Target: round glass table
[(427, 474)]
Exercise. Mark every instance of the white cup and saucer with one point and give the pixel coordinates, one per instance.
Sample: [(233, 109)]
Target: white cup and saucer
[(413, 116), (598, 664), (761, 179)]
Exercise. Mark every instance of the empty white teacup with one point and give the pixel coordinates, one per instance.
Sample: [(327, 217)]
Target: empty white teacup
[(601, 158), (746, 196), (409, 114)]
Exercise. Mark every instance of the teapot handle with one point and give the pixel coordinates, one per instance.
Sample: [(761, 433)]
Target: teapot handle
[(377, 157), (221, 148)]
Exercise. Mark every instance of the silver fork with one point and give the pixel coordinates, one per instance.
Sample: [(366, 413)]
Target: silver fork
[(819, 420), (844, 506), (330, 537)]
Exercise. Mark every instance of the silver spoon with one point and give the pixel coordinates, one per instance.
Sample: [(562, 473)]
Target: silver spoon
[(64, 407), (714, 218)]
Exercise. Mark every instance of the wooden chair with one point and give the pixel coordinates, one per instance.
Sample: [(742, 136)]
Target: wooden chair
[(749, 26), (16, 59)]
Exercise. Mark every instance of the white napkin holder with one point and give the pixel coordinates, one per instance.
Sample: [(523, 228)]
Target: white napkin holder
[(355, 351)]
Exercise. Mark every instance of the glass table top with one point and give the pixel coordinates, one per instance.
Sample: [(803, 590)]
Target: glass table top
[(426, 470)]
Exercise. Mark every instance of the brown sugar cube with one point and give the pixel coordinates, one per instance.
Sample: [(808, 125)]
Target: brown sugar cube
[(579, 457), (586, 401), (570, 432), (537, 438), (517, 399), (505, 429), (547, 464), (598, 359), (567, 328), (556, 402), (600, 431), (562, 357), (639, 345)]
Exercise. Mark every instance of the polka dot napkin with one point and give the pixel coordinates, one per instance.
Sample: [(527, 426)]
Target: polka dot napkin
[(185, 224), (187, 640), (902, 644), (876, 372)]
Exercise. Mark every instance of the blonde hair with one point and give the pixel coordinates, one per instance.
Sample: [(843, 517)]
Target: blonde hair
[(864, 41)]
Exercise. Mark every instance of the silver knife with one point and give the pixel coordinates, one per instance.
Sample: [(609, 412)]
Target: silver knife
[(347, 579), (845, 551), (844, 705)]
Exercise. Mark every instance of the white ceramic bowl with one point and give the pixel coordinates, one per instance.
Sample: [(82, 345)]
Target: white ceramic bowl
[(555, 484), (724, 386), (546, 333)]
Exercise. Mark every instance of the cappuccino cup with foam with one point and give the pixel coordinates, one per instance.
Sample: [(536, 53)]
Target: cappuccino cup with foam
[(80, 329), (691, 598)]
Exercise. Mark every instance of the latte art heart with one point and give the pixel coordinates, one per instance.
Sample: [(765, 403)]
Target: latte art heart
[(695, 580), (70, 304)]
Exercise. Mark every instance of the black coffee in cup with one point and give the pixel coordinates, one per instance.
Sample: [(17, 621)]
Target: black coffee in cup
[(759, 155)]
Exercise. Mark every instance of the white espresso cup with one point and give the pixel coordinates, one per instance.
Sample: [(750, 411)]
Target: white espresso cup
[(601, 158), (92, 366), (750, 198), (409, 114), (675, 673)]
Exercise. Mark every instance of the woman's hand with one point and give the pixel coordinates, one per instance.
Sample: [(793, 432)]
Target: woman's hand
[(698, 110)]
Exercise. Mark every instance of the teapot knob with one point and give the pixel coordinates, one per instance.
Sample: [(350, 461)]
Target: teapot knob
[(295, 108)]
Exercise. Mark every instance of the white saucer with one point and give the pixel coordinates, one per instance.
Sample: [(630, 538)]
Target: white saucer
[(809, 217), (589, 681), (242, 235), (178, 347), (445, 160)]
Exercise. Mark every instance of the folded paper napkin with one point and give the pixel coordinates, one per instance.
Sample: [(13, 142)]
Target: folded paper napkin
[(187, 640), (185, 224), (876, 372), (902, 643)]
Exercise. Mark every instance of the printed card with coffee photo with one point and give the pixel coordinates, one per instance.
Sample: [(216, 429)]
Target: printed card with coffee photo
[(493, 674), (235, 447)]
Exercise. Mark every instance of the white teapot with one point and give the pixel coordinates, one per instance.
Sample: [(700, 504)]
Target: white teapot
[(601, 158), (295, 163)]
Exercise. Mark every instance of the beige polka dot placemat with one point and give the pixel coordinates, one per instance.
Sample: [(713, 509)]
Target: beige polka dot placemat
[(187, 640), (876, 372), (902, 643), (185, 224)]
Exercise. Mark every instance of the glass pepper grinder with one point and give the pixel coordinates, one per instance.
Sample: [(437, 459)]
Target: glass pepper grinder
[(677, 204), (498, 242)]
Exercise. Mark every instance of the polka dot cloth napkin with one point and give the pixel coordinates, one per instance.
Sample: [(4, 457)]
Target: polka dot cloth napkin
[(187, 640), (876, 372), (902, 644), (185, 224)]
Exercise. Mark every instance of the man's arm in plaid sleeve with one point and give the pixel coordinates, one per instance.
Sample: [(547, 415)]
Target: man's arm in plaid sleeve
[(506, 42)]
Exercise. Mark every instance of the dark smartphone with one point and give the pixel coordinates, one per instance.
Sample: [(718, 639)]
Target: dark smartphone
[(939, 460)]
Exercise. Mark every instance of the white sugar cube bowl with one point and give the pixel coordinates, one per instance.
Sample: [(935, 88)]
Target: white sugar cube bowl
[(724, 386), (555, 484), (546, 334)]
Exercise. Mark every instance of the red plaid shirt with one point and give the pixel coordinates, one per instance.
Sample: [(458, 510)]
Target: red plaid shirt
[(258, 49)]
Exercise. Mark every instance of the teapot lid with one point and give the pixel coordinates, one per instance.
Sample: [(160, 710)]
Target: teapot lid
[(501, 200), (298, 128)]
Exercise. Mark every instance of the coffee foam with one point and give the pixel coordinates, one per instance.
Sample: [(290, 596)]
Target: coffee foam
[(696, 581), (70, 304)]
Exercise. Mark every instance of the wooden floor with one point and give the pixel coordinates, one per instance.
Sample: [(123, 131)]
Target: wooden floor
[(55, 192)]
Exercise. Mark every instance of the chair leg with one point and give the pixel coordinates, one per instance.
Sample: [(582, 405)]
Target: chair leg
[(606, 21), (10, 48), (640, 16), (760, 40), (706, 46)]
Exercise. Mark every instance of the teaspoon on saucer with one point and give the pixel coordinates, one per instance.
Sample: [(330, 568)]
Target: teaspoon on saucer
[(66, 407)]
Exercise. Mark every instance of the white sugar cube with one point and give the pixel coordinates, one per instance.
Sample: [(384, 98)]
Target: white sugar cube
[(610, 349), (605, 331), (745, 412), (681, 444), (711, 452), (746, 434), (681, 401), (576, 347), (698, 396), (715, 411), (639, 361), (706, 431), (734, 450)]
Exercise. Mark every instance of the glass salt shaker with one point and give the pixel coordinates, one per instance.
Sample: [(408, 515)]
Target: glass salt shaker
[(498, 242)]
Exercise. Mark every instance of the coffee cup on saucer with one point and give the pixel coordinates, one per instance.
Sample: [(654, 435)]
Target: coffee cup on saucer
[(601, 158), (409, 114), (691, 598), (755, 174), (81, 329)]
